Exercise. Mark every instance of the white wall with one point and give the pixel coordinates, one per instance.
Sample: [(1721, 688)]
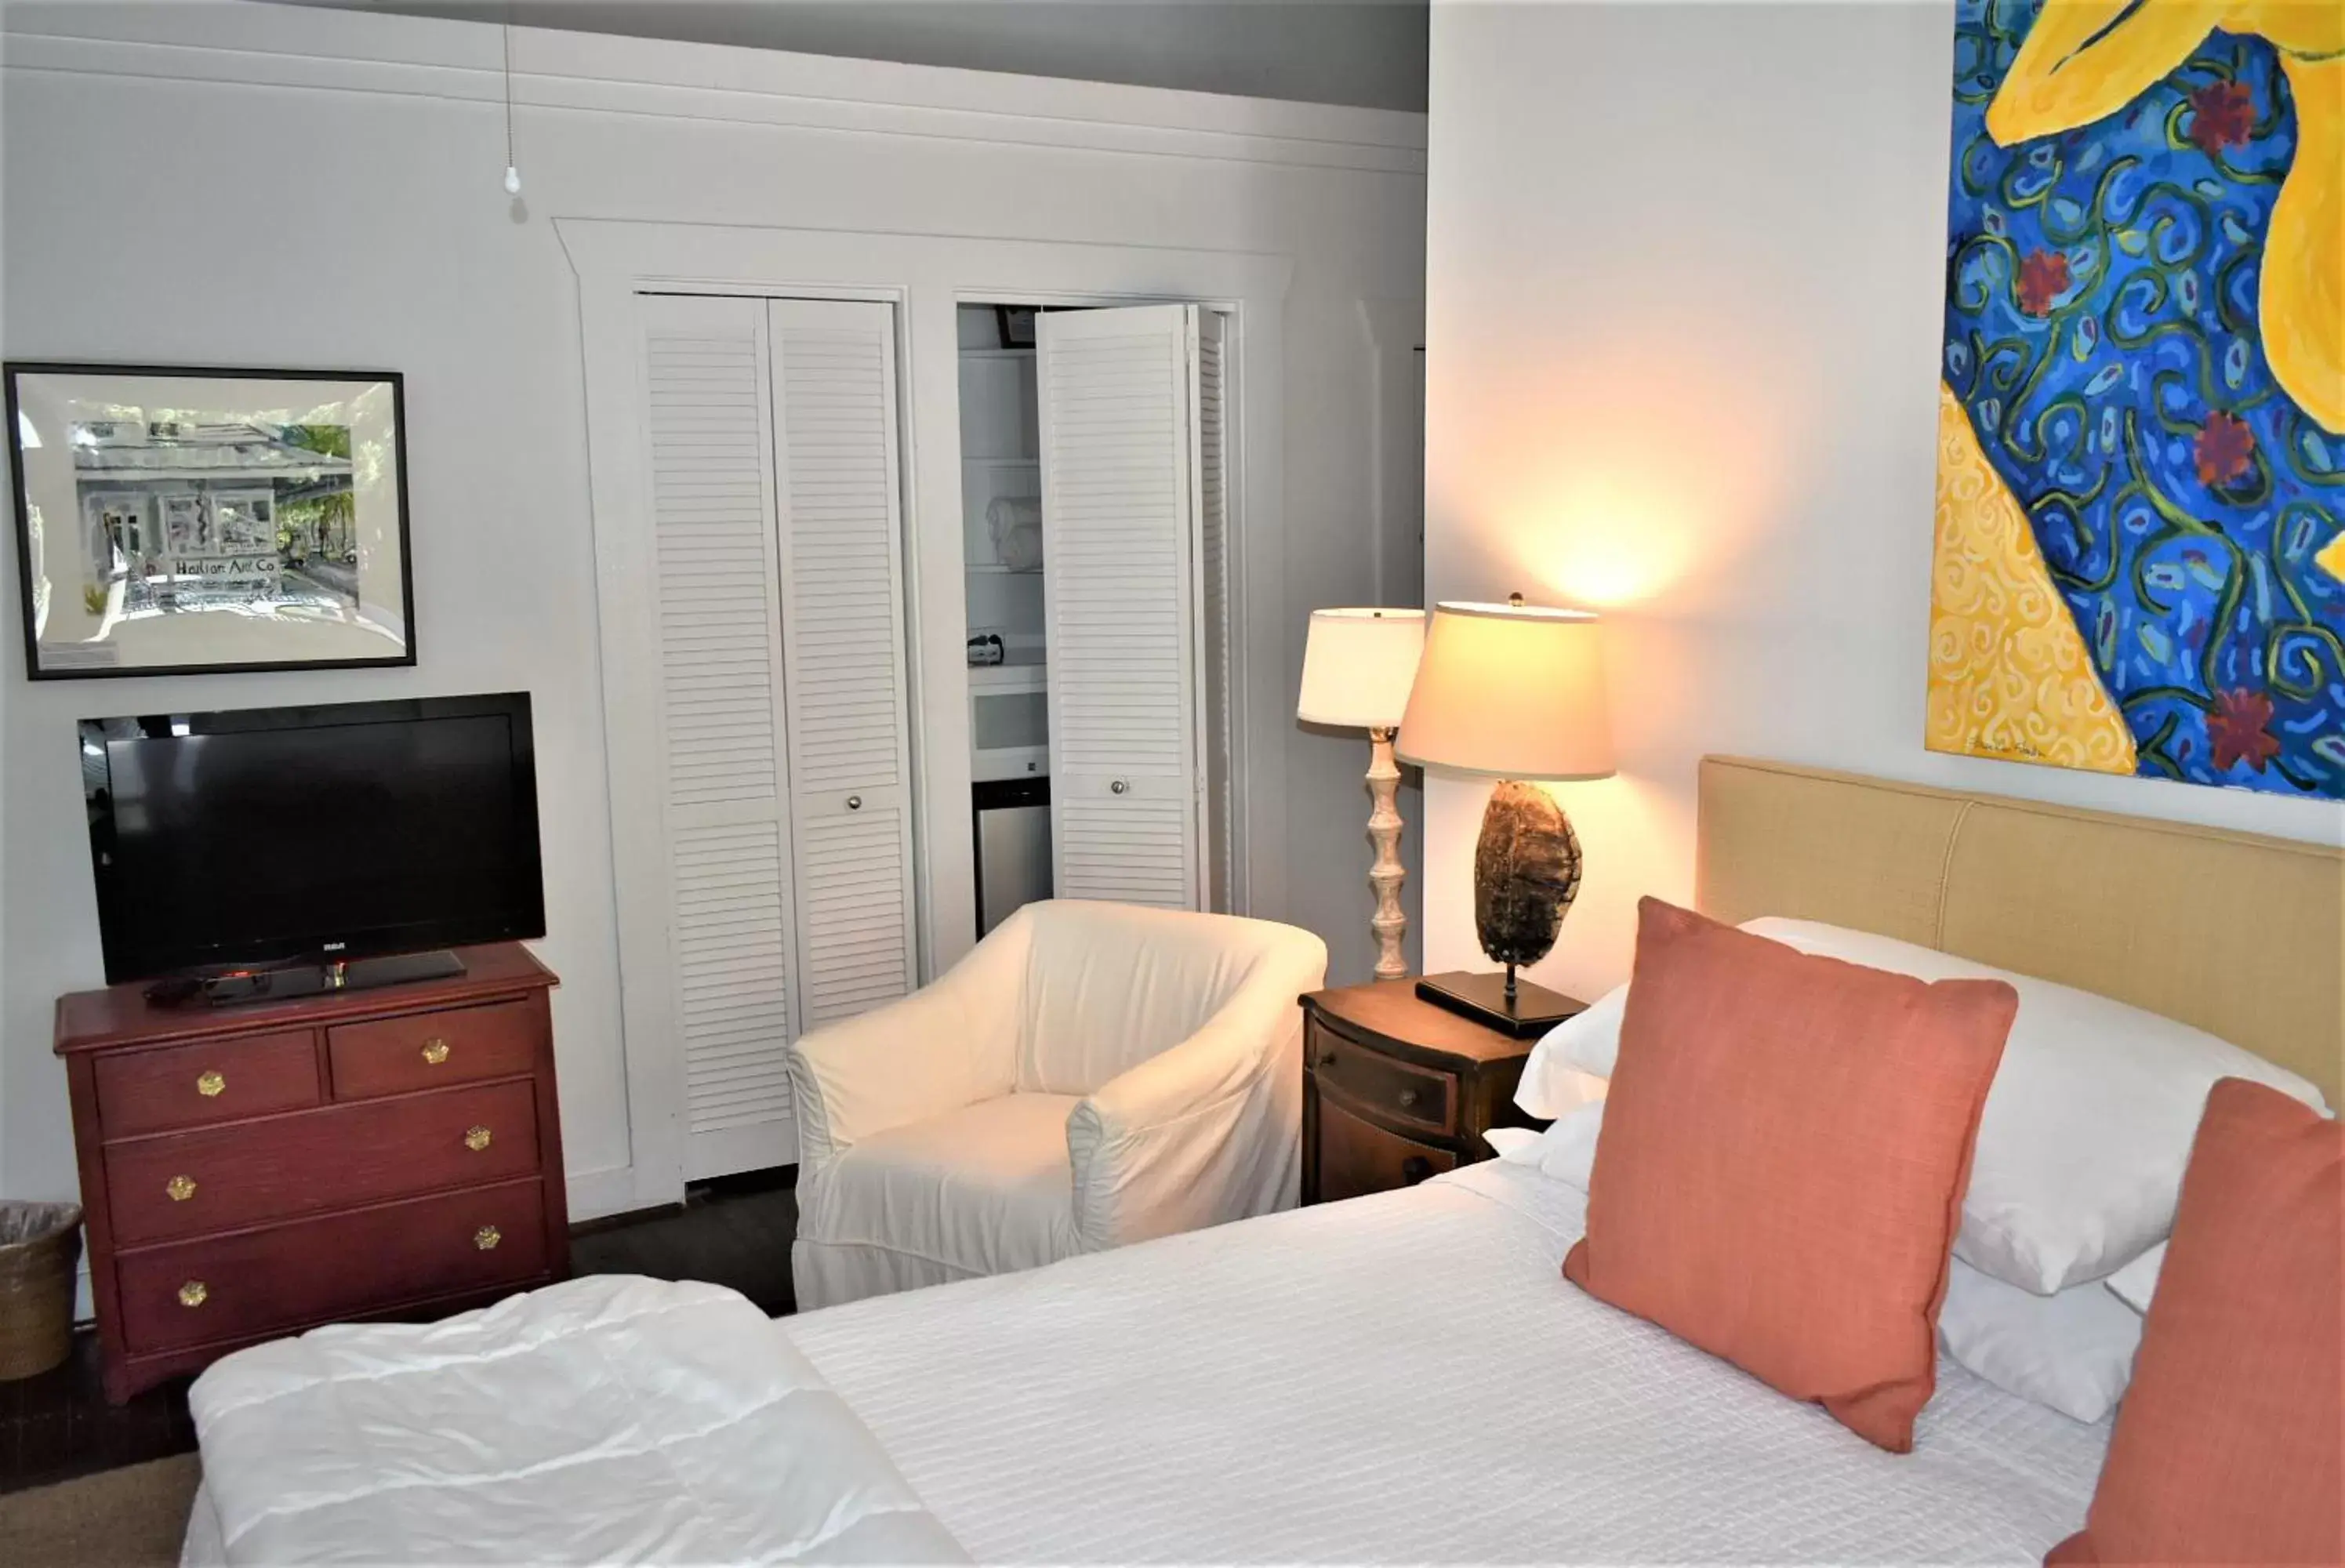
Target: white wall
[(280, 186), (1684, 271)]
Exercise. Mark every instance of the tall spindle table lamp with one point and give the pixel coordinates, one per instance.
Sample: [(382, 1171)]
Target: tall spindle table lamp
[(1513, 692), (1356, 669)]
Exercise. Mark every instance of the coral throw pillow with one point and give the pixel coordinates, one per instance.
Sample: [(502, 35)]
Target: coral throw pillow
[(1781, 1172), (2228, 1448)]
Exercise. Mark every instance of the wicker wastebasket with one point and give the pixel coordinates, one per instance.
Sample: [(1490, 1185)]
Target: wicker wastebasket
[(39, 1245)]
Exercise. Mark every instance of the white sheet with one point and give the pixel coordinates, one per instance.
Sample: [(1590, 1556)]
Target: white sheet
[(608, 1420), (1404, 1378)]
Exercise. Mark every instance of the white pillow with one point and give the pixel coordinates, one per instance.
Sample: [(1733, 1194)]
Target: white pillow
[(2087, 1129), (2072, 1353), (1552, 1083), (1517, 1144), (2136, 1283), (1567, 1149)]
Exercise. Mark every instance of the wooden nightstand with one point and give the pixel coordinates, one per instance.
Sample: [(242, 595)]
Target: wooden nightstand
[(1396, 1089)]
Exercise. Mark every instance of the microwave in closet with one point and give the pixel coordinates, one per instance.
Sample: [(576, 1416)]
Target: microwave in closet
[(1009, 722)]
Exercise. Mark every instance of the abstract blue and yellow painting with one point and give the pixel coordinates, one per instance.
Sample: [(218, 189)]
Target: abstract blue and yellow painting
[(2140, 560)]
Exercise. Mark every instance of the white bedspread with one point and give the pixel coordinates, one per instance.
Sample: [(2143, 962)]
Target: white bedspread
[(608, 1419), (1404, 1378)]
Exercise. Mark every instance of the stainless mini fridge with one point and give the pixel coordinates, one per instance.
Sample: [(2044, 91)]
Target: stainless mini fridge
[(1013, 846)]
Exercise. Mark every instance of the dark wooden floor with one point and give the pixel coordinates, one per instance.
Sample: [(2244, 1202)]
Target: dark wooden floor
[(735, 1232)]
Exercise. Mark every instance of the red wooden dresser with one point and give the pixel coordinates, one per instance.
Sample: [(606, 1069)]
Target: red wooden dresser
[(247, 1172)]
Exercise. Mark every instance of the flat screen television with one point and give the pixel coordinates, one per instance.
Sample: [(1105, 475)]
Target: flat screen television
[(283, 837)]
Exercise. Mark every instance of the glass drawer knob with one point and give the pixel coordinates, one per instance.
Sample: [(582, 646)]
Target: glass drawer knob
[(486, 1238), (209, 1084), (477, 1139), (1407, 1098), (435, 1052), (180, 1188), (192, 1293)]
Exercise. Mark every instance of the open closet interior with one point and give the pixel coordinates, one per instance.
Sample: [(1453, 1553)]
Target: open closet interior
[(1001, 546), (1095, 521)]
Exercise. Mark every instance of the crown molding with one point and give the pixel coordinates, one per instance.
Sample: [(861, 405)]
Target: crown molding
[(238, 43)]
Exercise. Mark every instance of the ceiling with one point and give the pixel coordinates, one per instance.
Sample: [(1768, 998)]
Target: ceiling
[(1370, 53)]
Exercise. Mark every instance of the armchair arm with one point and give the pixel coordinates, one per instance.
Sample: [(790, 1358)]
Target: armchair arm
[(950, 1044), (1208, 1131)]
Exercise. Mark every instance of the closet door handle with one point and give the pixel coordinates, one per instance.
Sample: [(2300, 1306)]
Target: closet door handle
[(855, 802), (1117, 786)]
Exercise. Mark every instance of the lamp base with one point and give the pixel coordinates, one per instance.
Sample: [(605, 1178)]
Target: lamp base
[(1482, 997)]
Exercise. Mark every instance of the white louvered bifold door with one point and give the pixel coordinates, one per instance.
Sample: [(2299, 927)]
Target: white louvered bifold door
[(1120, 582), (1216, 614), (834, 394), (726, 804)]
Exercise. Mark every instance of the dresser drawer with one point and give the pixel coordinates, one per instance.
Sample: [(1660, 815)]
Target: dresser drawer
[(427, 1050), (211, 1081), (1357, 1156), (231, 1287), (218, 1178), (1381, 1087)]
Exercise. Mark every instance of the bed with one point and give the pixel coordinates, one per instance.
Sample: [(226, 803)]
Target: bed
[(1406, 1378)]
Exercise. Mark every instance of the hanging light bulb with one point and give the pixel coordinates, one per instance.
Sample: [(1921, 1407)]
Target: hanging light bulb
[(512, 170)]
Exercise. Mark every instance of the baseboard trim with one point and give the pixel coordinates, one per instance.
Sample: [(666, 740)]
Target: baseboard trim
[(622, 1218), (597, 1194)]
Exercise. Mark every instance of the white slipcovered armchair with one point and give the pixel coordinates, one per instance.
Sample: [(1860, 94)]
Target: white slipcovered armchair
[(1089, 1074)]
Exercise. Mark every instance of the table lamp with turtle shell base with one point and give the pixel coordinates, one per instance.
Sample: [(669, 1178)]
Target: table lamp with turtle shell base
[(1513, 692)]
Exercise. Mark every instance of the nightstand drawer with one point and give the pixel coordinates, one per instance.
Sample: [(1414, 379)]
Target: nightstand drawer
[(1381, 1087), (1357, 1156), (1396, 1089)]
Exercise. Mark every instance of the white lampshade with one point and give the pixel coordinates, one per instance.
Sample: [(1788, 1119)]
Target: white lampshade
[(1357, 665), (1511, 691)]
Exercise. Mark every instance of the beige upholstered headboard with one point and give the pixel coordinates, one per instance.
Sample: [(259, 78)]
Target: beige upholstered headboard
[(2241, 935)]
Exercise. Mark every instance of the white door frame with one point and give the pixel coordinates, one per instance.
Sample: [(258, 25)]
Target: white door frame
[(926, 278)]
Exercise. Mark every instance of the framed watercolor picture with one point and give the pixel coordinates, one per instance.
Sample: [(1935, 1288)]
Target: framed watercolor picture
[(179, 521)]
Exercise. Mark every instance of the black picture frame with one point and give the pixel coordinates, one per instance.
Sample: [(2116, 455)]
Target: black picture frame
[(13, 374)]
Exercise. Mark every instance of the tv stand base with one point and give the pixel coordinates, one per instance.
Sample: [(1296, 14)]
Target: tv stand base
[(395, 969), (309, 980)]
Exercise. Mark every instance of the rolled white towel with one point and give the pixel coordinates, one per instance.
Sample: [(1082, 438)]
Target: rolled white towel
[(1016, 524)]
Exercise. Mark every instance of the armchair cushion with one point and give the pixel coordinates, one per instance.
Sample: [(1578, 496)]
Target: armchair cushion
[(979, 1191)]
